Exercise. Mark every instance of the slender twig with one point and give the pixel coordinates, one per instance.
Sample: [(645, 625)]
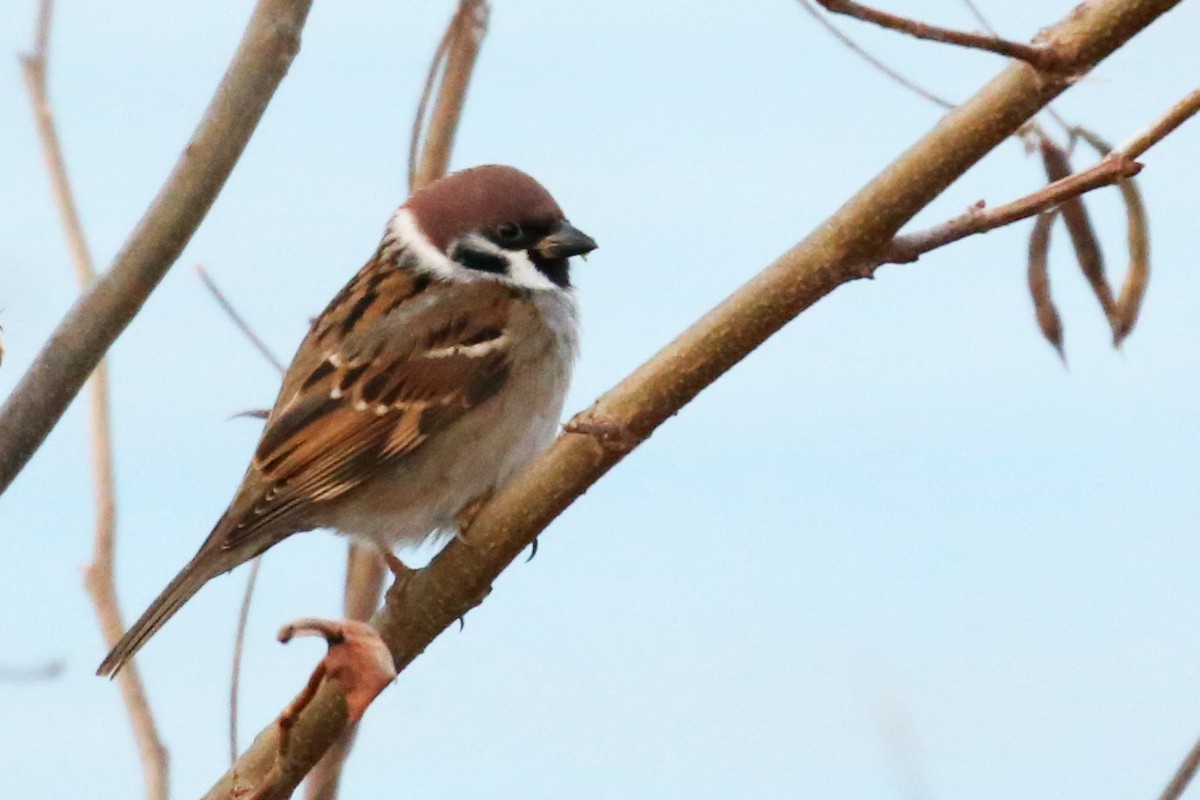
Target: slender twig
[(239, 647), (429, 600), (238, 320), (1154, 133), (862, 53), (464, 38), (1039, 56), (271, 40), (239, 638), (1183, 775), (99, 575), (428, 159), (431, 77), (1113, 168), (909, 247), (977, 13)]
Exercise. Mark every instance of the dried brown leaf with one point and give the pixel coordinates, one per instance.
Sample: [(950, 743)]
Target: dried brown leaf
[(1137, 234), (357, 658), (1129, 304), (1079, 225), (1048, 319)]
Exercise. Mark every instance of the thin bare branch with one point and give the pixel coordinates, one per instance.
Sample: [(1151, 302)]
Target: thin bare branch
[(862, 53), (239, 638), (909, 247), (429, 600), (1112, 169), (1039, 56), (418, 126), (454, 59), (1183, 775), (238, 320), (1180, 113), (977, 13), (271, 41), (464, 38), (99, 576), (239, 647)]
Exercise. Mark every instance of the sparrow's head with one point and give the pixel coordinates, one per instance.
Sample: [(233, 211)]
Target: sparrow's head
[(495, 219)]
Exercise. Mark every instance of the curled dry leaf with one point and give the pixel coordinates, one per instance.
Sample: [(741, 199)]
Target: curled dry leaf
[(1079, 225), (1129, 304), (1039, 282), (1137, 234), (357, 659)]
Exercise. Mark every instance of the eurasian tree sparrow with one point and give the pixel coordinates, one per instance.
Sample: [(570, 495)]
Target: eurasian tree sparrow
[(435, 375)]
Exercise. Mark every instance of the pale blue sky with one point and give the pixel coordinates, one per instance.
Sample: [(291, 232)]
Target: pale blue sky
[(901, 514)]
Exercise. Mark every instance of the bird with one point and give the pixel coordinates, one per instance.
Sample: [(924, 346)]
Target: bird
[(429, 380)]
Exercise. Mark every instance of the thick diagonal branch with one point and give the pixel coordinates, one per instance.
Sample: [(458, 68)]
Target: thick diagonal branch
[(268, 46), (419, 608)]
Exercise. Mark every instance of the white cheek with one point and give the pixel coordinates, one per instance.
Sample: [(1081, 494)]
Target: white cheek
[(404, 230), (523, 273)]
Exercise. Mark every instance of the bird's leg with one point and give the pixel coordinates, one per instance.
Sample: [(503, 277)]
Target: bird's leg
[(609, 433), (467, 514), (400, 571)]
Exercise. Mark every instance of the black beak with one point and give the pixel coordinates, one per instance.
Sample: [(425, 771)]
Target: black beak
[(564, 241)]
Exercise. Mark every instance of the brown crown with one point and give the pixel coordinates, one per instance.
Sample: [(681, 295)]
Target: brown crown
[(480, 197)]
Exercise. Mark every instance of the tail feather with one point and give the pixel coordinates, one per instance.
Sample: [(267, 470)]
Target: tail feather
[(199, 571)]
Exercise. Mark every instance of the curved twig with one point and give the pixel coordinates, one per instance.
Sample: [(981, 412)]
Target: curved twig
[(99, 575), (1039, 56), (862, 53), (464, 36)]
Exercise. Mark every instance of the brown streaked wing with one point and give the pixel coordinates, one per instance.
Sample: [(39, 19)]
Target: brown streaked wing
[(348, 411)]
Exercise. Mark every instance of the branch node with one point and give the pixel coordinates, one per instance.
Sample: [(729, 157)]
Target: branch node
[(611, 434)]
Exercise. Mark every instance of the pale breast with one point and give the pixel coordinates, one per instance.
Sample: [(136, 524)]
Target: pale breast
[(483, 449)]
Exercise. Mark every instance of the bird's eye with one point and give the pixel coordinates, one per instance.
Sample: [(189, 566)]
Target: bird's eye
[(509, 231)]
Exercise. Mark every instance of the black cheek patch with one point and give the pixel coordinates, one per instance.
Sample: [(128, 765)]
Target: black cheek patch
[(481, 261)]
